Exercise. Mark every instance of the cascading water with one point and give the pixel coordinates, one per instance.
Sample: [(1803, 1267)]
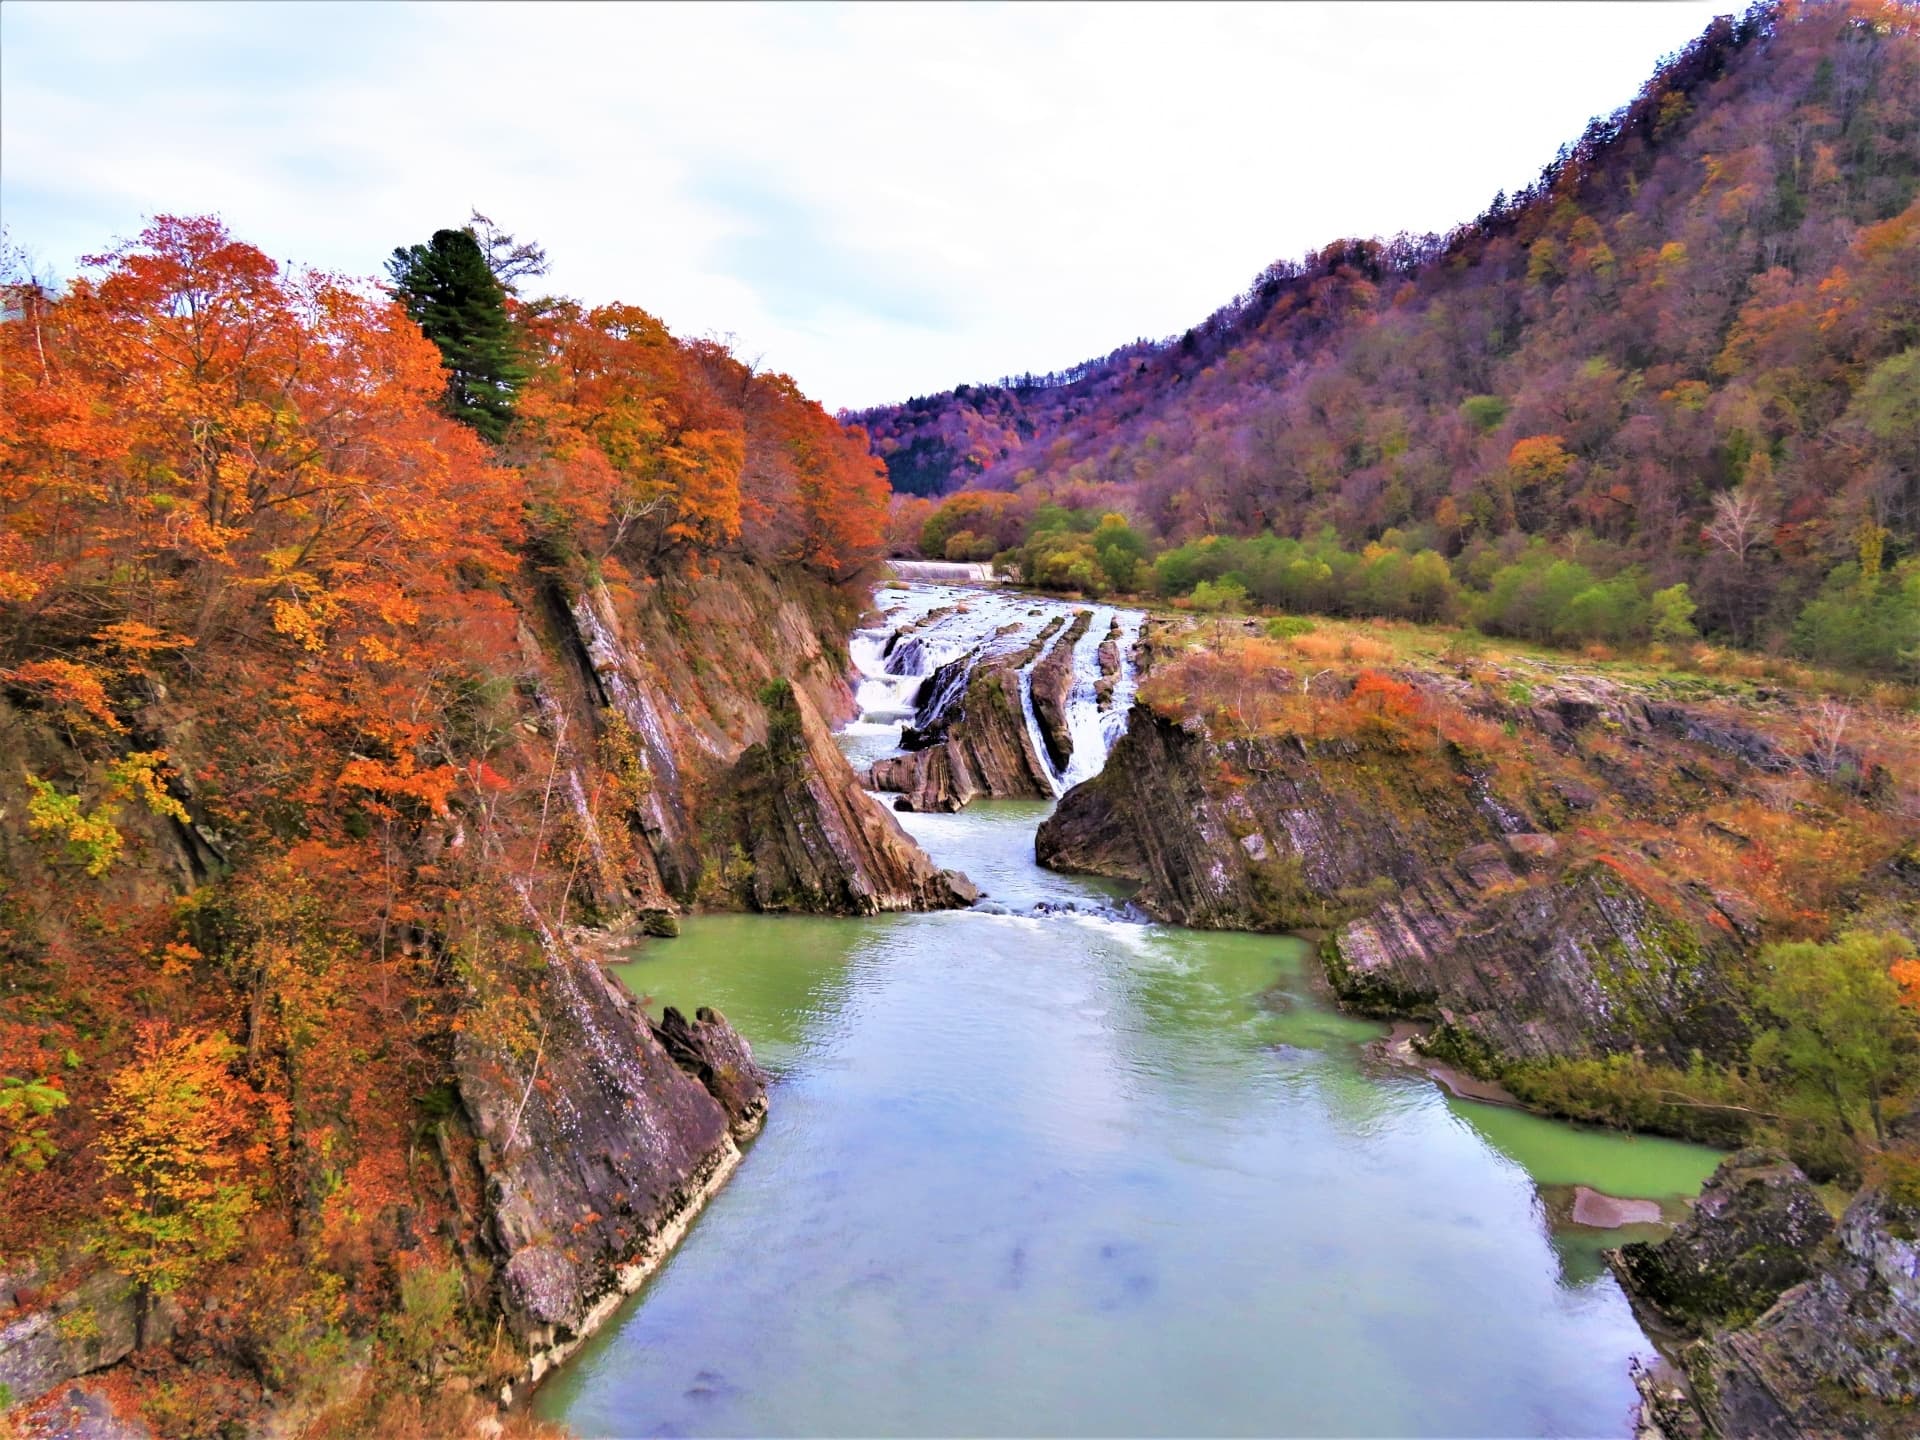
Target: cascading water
[(930, 630), (942, 572), (885, 696), (1034, 736), (1087, 722)]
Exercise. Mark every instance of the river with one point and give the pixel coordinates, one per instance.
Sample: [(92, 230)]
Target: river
[(1037, 1168)]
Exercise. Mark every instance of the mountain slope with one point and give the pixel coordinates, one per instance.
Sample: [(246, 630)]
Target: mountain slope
[(1701, 318)]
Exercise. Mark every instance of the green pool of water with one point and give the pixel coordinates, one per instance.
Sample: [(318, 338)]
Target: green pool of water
[(1062, 1175)]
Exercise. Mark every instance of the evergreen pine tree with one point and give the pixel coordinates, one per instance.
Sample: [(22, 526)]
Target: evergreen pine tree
[(453, 296)]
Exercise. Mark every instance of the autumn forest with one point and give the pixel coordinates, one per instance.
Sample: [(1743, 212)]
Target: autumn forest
[(1684, 357), (266, 602)]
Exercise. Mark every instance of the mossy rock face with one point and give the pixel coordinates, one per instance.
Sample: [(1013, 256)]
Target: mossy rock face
[(1369, 992), (1460, 1047), (1751, 1236), (661, 924), (1837, 1354)]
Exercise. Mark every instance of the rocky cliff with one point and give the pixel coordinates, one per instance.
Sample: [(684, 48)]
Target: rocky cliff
[(501, 1108), (684, 673), (1752, 1234), (1443, 898), (811, 838), (1806, 1329), (1546, 873), (587, 1155), (1570, 876), (592, 1154)]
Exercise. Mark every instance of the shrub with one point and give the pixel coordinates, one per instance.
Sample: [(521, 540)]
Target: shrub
[(1869, 622), (1670, 614), (1215, 597)]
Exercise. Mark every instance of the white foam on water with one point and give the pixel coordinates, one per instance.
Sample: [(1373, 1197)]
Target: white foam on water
[(1084, 720), (926, 625), (1034, 736)]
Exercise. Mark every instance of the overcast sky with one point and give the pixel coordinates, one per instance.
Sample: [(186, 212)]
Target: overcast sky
[(880, 200)]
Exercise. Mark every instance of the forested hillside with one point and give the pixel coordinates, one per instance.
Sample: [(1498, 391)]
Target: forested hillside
[(1686, 355), (305, 769)]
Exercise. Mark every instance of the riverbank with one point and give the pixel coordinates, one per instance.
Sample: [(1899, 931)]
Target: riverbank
[(1568, 882)]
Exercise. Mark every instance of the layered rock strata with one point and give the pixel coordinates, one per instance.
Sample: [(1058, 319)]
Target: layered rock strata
[(1051, 684), (1443, 899), (1752, 1235), (1835, 1353), (814, 840), (595, 1150)]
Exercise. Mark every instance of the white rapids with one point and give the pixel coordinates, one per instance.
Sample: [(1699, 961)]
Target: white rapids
[(925, 626), (942, 572)]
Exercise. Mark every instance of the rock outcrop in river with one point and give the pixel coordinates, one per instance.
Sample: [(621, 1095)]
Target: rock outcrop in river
[(1807, 1329), (1445, 899), (814, 841), (1751, 1235), (976, 743), (1051, 684)]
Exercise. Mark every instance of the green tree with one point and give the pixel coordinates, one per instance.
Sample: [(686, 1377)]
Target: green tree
[(1484, 412), (1870, 623), (1887, 408), (451, 292), (1214, 597), (1121, 550), (24, 1141), (1842, 1031), (1672, 614)]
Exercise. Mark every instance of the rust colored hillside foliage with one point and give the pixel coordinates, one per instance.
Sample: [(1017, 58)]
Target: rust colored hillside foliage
[(274, 792)]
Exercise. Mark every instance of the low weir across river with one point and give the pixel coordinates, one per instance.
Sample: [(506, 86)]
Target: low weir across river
[(1037, 1168)]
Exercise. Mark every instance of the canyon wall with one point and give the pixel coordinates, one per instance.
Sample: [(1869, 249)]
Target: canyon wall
[(1544, 880), (667, 746)]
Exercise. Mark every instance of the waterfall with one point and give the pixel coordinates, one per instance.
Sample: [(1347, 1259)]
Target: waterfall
[(1034, 736), (1085, 723), (1126, 684), (884, 696), (942, 572), (936, 634)]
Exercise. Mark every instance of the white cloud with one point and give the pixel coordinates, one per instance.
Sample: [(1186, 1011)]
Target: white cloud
[(882, 200)]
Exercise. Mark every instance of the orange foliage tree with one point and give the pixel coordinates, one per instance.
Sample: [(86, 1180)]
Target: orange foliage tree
[(649, 451), (1906, 974), (179, 1142), (643, 445)]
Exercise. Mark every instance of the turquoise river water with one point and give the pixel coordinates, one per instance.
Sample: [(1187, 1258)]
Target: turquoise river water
[(1050, 1172)]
